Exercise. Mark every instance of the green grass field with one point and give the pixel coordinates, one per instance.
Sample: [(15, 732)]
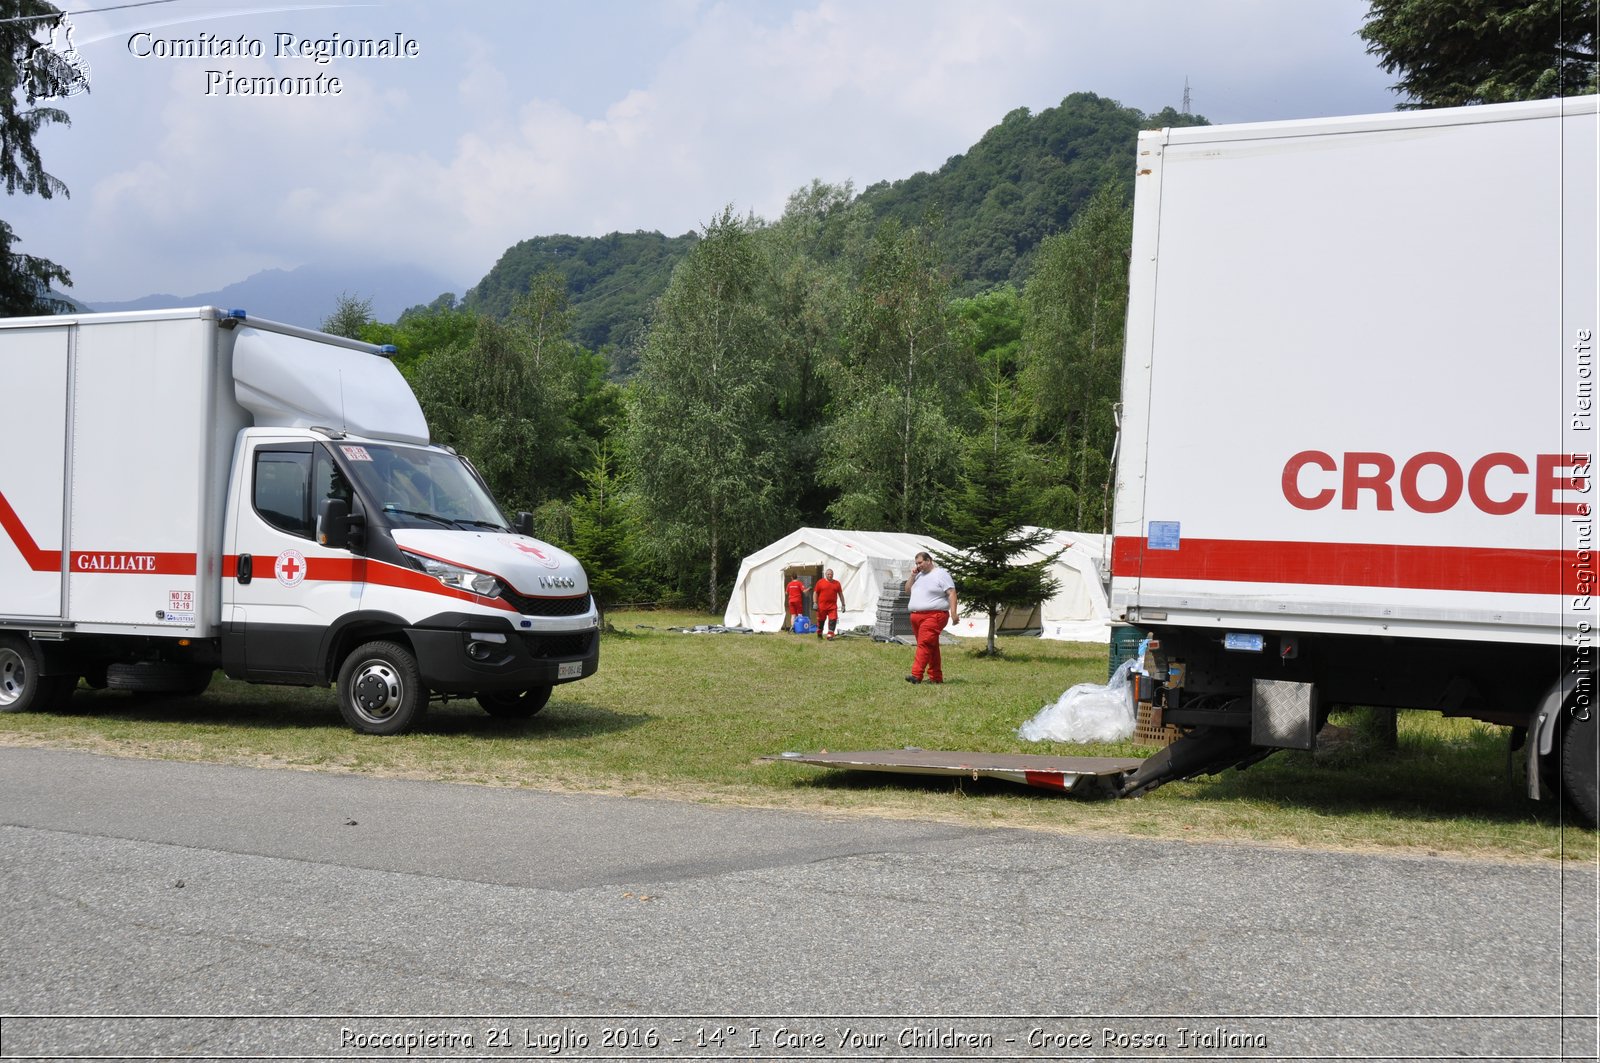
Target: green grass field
[(687, 717)]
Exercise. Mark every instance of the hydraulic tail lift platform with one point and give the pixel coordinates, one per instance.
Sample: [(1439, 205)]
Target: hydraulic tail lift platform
[(1098, 774)]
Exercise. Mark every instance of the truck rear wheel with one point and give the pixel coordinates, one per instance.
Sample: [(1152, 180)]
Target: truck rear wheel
[(1579, 768), (380, 689), (515, 704), (22, 688)]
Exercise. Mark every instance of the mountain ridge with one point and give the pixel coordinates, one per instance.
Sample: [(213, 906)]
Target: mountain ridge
[(307, 295)]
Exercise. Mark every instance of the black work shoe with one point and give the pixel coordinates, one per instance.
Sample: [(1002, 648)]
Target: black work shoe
[(912, 679)]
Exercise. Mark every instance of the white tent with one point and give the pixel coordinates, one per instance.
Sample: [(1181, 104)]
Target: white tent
[(871, 565), (865, 563), (1078, 611)]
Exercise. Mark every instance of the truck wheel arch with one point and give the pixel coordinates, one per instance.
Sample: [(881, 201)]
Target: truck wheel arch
[(1561, 749), (353, 630), (1580, 740), (24, 686)]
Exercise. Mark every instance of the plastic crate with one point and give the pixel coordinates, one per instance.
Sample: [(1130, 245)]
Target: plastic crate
[(1125, 639)]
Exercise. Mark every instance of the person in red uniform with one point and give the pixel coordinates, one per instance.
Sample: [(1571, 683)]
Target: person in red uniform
[(830, 599), (933, 605), (797, 595)]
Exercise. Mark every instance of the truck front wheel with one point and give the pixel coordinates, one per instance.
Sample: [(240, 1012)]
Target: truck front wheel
[(515, 704), (380, 689), (1579, 768)]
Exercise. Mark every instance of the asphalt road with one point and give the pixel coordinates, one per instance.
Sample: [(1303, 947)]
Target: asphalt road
[(185, 911)]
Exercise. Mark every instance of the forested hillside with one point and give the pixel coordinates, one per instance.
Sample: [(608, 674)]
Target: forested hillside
[(1022, 181), (988, 208), (612, 280)]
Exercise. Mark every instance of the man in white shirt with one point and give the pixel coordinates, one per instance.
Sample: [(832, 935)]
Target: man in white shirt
[(933, 605)]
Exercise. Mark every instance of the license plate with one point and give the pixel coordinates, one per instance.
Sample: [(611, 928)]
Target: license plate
[(570, 670)]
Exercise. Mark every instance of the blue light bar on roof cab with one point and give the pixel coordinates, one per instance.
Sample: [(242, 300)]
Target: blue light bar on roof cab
[(237, 314)]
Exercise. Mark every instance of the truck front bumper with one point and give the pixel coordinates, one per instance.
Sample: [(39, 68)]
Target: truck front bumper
[(459, 654)]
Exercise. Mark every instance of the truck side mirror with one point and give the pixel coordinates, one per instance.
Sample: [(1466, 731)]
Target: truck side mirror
[(524, 523), (335, 526)]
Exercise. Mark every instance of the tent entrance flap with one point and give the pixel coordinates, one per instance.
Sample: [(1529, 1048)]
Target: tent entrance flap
[(808, 575), (1029, 769), (1024, 618)]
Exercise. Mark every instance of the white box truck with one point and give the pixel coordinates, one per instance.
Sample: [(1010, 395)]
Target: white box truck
[(188, 490), (1357, 426)]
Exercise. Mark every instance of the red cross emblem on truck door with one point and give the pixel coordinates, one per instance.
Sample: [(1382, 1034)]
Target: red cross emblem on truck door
[(290, 568)]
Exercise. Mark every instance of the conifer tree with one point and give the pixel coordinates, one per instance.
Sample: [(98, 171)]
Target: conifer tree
[(1450, 53), (33, 72), (603, 532), (985, 528)]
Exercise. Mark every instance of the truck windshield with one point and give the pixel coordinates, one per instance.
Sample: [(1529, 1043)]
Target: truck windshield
[(417, 488)]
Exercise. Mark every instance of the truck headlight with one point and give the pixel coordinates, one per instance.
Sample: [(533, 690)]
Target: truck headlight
[(457, 578)]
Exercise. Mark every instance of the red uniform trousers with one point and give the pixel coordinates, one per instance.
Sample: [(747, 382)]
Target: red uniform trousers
[(927, 627)]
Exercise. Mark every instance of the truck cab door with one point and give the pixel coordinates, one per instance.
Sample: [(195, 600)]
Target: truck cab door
[(283, 590)]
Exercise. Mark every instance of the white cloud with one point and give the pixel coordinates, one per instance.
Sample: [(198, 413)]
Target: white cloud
[(534, 119)]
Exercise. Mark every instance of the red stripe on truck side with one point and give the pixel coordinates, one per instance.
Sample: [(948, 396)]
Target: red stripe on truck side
[(124, 562), (37, 559), (361, 570), (1441, 568), (388, 575)]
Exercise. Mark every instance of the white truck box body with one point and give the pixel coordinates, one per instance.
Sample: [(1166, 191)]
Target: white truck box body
[(127, 430), (1357, 393), (130, 427)]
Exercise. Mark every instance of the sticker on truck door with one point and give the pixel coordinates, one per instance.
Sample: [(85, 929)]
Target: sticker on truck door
[(290, 568), (180, 608), (1164, 535)]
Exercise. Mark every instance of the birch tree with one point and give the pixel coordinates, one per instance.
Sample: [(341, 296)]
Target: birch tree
[(704, 452), (1076, 304), (893, 448)]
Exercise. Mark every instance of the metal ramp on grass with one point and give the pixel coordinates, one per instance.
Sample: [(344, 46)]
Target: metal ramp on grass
[(1029, 769)]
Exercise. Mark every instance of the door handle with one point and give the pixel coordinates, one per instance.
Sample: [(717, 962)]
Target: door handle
[(244, 571)]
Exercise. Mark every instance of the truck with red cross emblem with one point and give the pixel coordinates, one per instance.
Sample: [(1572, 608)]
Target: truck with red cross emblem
[(1358, 429), (193, 490)]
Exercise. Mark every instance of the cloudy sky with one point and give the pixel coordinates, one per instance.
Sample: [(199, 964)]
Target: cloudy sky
[(519, 118)]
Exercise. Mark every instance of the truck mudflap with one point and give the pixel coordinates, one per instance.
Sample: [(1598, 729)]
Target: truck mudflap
[(1202, 751)]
